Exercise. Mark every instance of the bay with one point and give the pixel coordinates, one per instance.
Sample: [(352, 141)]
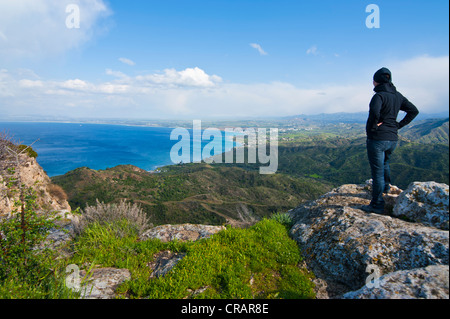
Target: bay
[(63, 147)]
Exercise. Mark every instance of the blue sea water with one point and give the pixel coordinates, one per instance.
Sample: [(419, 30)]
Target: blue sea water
[(65, 146)]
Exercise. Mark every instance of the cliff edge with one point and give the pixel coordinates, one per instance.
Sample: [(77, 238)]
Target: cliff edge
[(50, 197), (403, 254)]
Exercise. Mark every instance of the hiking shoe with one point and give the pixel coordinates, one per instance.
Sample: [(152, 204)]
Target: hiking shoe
[(372, 209)]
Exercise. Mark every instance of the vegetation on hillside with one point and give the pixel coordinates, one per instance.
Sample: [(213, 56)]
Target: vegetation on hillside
[(310, 163), (258, 262), (194, 193)]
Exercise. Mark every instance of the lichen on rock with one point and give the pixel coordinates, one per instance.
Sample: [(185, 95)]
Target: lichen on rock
[(339, 240)]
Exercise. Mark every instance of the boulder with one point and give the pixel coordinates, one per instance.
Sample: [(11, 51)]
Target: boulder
[(431, 282), (163, 262), (424, 202), (340, 241), (101, 283), (184, 232)]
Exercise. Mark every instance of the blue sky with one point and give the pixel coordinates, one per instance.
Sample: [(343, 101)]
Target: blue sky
[(216, 58)]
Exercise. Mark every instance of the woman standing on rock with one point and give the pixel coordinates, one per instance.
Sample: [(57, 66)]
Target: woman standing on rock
[(381, 129)]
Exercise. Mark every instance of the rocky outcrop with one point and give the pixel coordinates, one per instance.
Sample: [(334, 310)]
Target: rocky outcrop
[(426, 203), (431, 282), (344, 246), (50, 197)]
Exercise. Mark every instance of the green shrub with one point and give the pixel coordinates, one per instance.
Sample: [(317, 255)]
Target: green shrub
[(27, 265), (284, 219), (106, 214), (29, 150)]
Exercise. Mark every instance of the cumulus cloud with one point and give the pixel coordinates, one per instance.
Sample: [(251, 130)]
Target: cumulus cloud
[(37, 28), (192, 92), (190, 77), (259, 48)]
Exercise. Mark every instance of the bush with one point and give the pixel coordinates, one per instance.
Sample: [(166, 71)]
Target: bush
[(27, 264), (105, 214), (29, 150), (284, 219), (57, 191)]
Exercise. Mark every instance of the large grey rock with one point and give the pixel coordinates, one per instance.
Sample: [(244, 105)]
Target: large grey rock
[(424, 202), (339, 240), (101, 283), (431, 282), (183, 232)]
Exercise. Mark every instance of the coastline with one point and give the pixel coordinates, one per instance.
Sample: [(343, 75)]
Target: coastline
[(53, 145)]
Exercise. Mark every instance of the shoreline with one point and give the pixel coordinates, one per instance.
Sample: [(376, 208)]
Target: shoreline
[(229, 143)]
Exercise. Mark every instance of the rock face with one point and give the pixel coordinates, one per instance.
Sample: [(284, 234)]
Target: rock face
[(426, 203), (50, 197), (343, 245), (430, 282)]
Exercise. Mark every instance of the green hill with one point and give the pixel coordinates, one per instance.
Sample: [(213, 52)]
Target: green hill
[(346, 162), (310, 163), (192, 193), (339, 160), (427, 131)]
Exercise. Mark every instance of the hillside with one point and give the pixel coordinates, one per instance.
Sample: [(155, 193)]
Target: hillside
[(18, 165), (338, 160), (310, 163), (191, 193), (428, 131)]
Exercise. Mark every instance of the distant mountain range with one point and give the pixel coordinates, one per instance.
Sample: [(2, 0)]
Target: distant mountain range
[(323, 118), (359, 117)]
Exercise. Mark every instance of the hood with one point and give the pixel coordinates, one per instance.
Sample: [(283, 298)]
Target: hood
[(385, 87)]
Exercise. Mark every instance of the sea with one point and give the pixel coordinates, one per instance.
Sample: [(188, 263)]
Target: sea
[(63, 147)]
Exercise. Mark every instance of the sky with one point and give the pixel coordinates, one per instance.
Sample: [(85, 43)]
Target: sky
[(202, 59)]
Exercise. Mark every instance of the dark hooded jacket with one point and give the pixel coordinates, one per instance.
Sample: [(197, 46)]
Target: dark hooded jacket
[(384, 108)]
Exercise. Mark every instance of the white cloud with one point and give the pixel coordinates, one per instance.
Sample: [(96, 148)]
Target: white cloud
[(25, 83), (192, 93), (37, 28), (116, 74), (127, 61), (259, 48), (424, 80), (190, 77), (312, 50), (76, 84)]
